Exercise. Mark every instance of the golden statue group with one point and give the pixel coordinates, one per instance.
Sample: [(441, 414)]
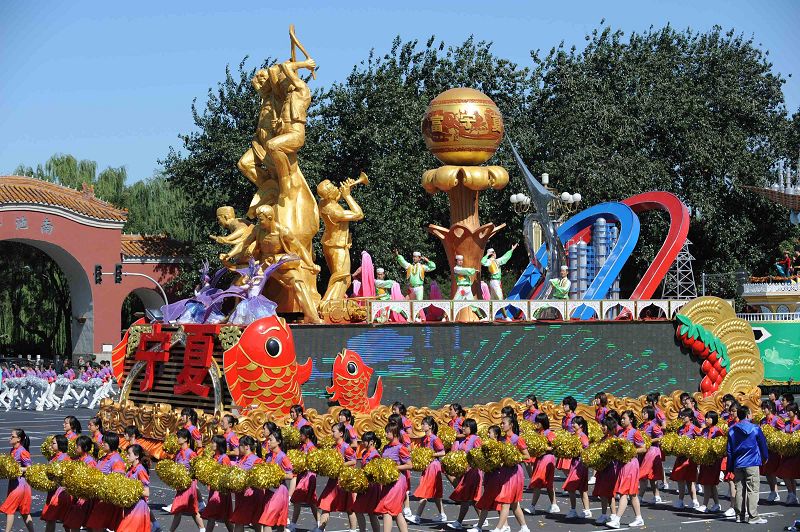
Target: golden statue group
[(287, 215)]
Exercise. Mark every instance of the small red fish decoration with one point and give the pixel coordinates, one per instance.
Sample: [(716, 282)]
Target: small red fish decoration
[(351, 383), (262, 369)]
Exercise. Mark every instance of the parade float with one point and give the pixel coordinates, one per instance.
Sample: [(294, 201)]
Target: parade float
[(362, 344)]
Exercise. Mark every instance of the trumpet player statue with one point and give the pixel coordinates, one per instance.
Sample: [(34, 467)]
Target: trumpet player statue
[(336, 240), (493, 264)]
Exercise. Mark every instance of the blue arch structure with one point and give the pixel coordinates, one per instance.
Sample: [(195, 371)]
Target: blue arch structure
[(598, 289)]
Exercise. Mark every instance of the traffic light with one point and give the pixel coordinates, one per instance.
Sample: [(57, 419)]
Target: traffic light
[(98, 274), (118, 273), (741, 279)]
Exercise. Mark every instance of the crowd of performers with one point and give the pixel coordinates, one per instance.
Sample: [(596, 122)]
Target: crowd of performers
[(39, 387), (387, 504)]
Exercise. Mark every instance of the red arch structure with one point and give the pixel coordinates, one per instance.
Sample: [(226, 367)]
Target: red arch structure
[(676, 237), (79, 231)]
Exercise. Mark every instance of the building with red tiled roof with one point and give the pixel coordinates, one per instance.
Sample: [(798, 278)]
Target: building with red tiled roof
[(82, 233)]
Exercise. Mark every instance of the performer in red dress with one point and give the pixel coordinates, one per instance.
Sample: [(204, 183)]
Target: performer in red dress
[(247, 502), (531, 408), (366, 502), (96, 431), (708, 475), (390, 504), (57, 502), (607, 478), (466, 488), (186, 501), (189, 421), (684, 471), (627, 484), (219, 506), (228, 425), (769, 469), (72, 427), (104, 515), (298, 417), (651, 465), (512, 479), (79, 510), (334, 498), (569, 404), (276, 501), (305, 492), (19, 491), (491, 485), (349, 420), (138, 517), (544, 468), (578, 475), (430, 484), (456, 421), (789, 468)]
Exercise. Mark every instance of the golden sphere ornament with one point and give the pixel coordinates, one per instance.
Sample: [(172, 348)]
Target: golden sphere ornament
[(462, 126)]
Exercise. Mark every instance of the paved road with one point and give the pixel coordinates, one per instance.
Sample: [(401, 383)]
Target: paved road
[(662, 518)]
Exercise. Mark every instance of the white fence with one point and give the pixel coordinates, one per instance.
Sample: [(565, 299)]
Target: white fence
[(770, 316), (528, 310)]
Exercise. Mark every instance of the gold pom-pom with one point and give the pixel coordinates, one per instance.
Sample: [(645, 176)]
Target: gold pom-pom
[(448, 436), (72, 449), (55, 471), (537, 444), (47, 448), (674, 425), (669, 443), (171, 445), (299, 460), (566, 445), (527, 430), (476, 459), (326, 442), (382, 471), (421, 457), (265, 476), (120, 491), (648, 441), (510, 455), (483, 432), (9, 468), (82, 481), (204, 469), (595, 432), (622, 450), (353, 480), (173, 475), (455, 463), (233, 479), (208, 452), (700, 452), (325, 462), (36, 475), (492, 455), (291, 437)]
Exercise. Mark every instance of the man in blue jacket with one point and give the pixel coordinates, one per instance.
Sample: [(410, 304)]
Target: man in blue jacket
[(747, 451)]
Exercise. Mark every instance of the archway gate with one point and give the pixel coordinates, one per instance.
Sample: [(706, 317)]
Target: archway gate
[(79, 231)]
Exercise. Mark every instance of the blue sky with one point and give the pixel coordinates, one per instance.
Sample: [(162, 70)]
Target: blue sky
[(114, 81)]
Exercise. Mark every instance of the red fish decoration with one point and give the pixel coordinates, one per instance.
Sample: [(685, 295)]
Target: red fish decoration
[(351, 382), (262, 369)]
